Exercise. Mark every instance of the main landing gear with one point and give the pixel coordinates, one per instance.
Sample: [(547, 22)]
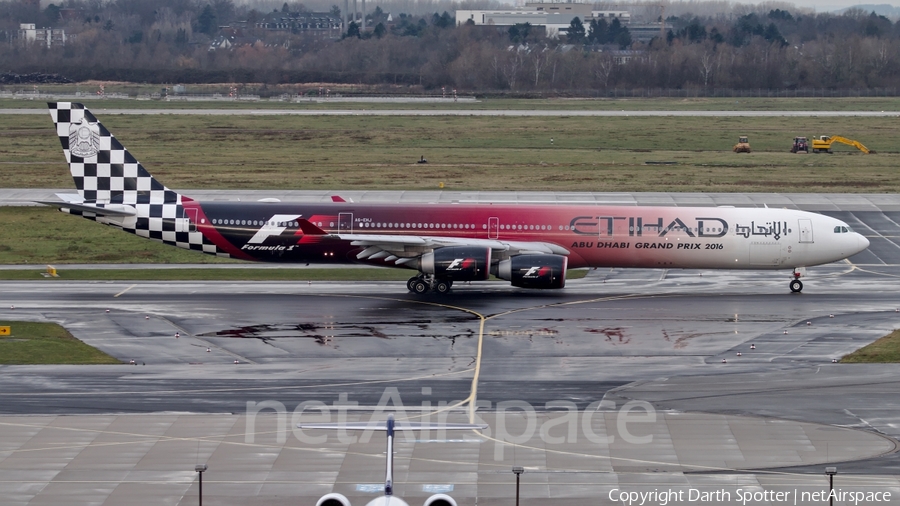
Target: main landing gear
[(423, 283), (796, 284)]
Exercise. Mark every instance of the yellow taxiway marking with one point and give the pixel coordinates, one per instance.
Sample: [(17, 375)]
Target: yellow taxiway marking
[(125, 290)]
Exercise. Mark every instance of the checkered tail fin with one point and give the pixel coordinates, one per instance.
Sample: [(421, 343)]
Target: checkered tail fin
[(104, 171)]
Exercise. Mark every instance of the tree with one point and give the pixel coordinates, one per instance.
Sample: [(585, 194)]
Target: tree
[(335, 11), (599, 31), (206, 22), (623, 39), (352, 30), (51, 14), (379, 30), (442, 21), (519, 32), (575, 33)]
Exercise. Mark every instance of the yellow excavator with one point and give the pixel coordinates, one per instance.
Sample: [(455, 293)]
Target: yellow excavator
[(823, 144)]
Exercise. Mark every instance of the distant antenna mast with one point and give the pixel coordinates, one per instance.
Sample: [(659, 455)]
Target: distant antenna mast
[(662, 22)]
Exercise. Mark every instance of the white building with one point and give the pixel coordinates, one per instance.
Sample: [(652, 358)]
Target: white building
[(49, 37), (554, 17)]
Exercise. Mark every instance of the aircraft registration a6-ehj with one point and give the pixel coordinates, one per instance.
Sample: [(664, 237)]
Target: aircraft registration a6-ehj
[(529, 245)]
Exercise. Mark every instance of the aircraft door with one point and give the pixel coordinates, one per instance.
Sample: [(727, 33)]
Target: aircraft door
[(345, 223), (186, 221), (806, 231), (493, 228)]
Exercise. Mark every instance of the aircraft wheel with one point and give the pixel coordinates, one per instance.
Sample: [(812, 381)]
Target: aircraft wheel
[(796, 286), (420, 287), (411, 282), (442, 287)]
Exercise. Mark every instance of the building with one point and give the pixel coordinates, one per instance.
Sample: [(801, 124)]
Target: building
[(49, 37), (555, 17), (321, 24)]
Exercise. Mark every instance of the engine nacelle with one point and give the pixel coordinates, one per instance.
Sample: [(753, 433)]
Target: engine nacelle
[(333, 499), (440, 500), (458, 263), (534, 271)]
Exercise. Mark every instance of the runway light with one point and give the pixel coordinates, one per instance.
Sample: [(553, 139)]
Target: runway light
[(834, 361), (132, 362), (739, 354), (12, 307), (831, 316), (147, 317), (785, 331), (237, 362), (107, 310), (809, 323), (207, 349), (177, 335), (752, 346)]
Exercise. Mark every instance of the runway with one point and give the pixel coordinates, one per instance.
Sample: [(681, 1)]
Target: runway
[(663, 343)]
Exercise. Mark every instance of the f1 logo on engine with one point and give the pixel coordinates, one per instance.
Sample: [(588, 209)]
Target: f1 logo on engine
[(461, 264), (536, 272)]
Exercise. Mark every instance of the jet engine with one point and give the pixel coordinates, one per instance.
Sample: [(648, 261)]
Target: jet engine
[(534, 271), (333, 499), (440, 500), (457, 263)]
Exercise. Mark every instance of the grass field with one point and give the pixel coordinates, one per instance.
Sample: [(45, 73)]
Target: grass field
[(473, 153), (884, 350), (481, 103), (46, 343)]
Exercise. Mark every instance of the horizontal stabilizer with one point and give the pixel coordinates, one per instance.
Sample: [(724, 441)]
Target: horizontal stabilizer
[(400, 425), (98, 209)]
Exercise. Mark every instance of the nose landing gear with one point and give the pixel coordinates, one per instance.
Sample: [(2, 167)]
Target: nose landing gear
[(796, 284)]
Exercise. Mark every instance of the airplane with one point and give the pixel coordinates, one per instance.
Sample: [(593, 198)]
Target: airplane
[(388, 499), (529, 245)]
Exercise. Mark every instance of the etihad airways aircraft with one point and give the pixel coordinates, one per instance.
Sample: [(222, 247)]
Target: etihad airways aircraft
[(529, 245)]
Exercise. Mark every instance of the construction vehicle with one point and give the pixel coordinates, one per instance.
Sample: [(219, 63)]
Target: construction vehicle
[(743, 145), (823, 144), (800, 144)]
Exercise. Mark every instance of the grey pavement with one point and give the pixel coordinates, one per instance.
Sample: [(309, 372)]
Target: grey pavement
[(817, 202)]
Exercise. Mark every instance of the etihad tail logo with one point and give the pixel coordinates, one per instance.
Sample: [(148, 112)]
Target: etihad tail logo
[(84, 138)]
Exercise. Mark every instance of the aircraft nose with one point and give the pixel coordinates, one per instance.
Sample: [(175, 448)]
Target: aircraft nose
[(863, 242)]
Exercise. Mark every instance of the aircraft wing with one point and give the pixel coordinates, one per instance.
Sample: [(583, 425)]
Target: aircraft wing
[(401, 246)]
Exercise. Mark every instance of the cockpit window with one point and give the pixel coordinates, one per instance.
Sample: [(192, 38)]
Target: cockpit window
[(841, 230)]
